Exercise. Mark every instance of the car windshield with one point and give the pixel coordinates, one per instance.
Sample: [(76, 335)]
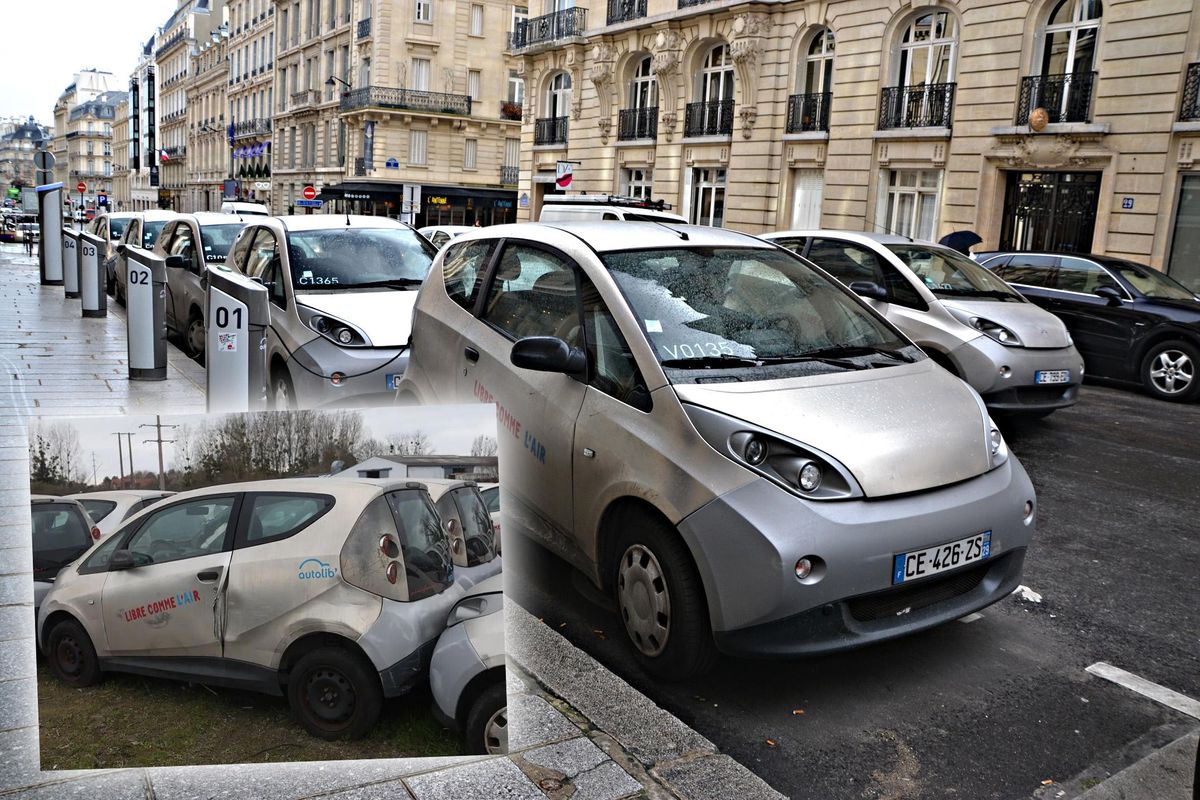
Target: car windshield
[(116, 227), (1150, 282), (950, 275), (150, 232), (217, 239), (712, 307), (98, 509), (348, 258)]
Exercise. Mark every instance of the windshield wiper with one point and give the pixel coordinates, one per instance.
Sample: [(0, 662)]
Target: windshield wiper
[(849, 351), (723, 361), (390, 283)]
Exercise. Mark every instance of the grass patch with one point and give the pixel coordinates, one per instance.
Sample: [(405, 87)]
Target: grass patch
[(131, 721)]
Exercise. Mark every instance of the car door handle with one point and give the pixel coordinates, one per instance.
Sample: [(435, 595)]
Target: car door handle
[(471, 353), (209, 575)]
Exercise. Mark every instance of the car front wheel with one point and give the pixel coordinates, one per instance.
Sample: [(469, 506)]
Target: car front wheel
[(71, 655), (334, 695), (1169, 371), (486, 731), (283, 393)]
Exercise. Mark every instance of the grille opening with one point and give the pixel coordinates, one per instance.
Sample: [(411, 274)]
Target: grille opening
[(920, 595)]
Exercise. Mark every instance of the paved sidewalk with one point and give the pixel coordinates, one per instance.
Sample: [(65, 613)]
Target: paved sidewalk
[(55, 362)]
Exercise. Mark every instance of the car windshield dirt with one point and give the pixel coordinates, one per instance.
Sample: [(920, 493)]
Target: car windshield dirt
[(1150, 282), (706, 307), (98, 509), (950, 275), (349, 258), (217, 239), (150, 233)]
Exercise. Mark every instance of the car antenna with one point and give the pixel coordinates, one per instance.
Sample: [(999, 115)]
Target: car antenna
[(682, 234), (877, 226)]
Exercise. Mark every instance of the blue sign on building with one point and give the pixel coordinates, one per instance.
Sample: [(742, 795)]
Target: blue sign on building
[(392, 163), (309, 203)]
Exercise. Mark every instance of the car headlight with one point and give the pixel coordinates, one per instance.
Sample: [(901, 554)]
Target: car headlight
[(479, 605), (997, 447), (995, 331), (340, 332), (798, 468)]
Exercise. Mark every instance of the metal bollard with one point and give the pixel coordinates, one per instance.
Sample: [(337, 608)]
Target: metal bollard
[(50, 219), (92, 278), (70, 260), (145, 307), (237, 313)]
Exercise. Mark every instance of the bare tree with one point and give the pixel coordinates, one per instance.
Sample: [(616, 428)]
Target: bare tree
[(484, 446), (414, 443)]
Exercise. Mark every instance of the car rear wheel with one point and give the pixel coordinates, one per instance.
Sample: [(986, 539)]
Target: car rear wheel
[(193, 336), (1169, 371), (661, 600), (71, 655), (283, 393), (486, 730), (333, 694)]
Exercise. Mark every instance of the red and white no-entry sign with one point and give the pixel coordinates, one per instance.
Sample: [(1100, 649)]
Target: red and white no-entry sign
[(310, 193), (81, 187)]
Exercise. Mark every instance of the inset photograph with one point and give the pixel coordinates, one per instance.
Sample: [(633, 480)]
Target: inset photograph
[(273, 586)]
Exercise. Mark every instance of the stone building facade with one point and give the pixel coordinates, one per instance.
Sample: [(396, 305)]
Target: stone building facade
[(1052, 124), (250, 97), (207, 161), (121, 199), (19, 138), (82, 143)]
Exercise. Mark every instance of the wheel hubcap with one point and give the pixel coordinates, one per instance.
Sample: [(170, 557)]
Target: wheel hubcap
[(70, 657), (1172, 371), (283, 398), (196, 336), (643, 599), (330, 695), (495, 733)]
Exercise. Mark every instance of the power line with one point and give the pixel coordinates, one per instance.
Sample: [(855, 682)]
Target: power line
[(158, 426)]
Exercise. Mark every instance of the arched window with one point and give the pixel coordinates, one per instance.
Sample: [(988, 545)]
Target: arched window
[(558, 95), (928, 49), (1069, 46), (716, 75), (640, 119), (712, 113), (643, 87), (816, 74)]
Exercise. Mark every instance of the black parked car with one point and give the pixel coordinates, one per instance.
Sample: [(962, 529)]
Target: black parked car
[(1130, 322)]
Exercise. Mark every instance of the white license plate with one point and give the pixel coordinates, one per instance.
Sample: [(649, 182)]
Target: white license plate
[(932, 560), (1052, 376)]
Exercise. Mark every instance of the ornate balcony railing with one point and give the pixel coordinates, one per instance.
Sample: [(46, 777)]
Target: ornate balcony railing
[(625, 10), (178, 153), (711, 118), (409, 99), (364, 28), (509, 175), (362, 166), (308, 97), (564, 24), (169, 43), (1066, 98), (251, 127), (637, 123), (808, 112), (690, 3), (550, 130), (1189, 109), (929, 105), (510, 109)]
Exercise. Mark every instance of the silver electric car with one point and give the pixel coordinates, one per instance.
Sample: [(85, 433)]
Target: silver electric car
[(467, 522), (1018, 356), (62, 532), (110, 509), (739, 449), (342, 290), (330, 592), (142, 231)]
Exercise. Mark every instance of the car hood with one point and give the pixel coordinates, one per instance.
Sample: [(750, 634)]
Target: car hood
[(1036, 327), (897, 429), (1183, 305), (384, 316)]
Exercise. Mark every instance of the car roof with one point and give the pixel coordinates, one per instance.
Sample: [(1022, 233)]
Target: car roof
[(322, 484), (316, 222), (155, 214), (603, 237), (120, 214), (203, 218), (121, 494), (862, 237)]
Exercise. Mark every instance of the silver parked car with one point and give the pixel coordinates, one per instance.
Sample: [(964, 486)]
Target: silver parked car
[(467, 674), (1018, 356), (342, 290), (330, 592), (746, 455), (62, 532), (467, 522), (191, 244), (110, 509), (142, 231)]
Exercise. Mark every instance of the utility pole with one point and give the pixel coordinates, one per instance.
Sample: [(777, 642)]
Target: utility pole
[(158, 426), (121, 456), (93, 468)]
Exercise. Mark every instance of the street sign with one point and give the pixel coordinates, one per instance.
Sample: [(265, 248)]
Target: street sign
[(309, 203), (102, 200), (310, 193), (81, 187), (43, 160)]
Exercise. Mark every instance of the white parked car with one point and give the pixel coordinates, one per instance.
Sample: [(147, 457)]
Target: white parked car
[(604, 208), (438, 235), (109, 510), (62, 532), (490, 492), (142, 231), (246, 209)]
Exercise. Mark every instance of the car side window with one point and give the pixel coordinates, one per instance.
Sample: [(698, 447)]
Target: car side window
[(533, 293), (278, 516), (133, 234), (182, 244), (440, 238), (1077, 275), (462, 270), (850, 262), (1037, 271), (794, 243), (612, 368), (185, 530), (98, 560)]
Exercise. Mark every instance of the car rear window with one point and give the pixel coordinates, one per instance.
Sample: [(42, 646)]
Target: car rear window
[(477, 526), (217, 239), (98, 509), (59, 526), (397, 548)]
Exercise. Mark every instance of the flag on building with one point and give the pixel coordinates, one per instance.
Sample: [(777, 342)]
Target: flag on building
[(563, 174)]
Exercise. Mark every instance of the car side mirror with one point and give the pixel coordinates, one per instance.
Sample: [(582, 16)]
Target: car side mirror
[(1110, 294), (177, 262), (128, 559), (548, 354), (869, 289)]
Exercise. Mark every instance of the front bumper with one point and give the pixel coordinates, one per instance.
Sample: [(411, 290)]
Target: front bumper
[(980, 361), (367, 370), (401, 640), (746, 544), (468, 577), (455, 663)]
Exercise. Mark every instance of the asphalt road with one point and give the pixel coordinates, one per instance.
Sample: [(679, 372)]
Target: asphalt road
[(993, 707)]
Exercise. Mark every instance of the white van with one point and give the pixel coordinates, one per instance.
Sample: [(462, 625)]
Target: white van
[(602, 207), (247, 209)]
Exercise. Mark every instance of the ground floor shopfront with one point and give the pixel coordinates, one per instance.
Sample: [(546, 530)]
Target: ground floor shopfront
[(421, 205)]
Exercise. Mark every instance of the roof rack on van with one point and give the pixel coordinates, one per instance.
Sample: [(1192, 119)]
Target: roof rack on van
[(607, 200)]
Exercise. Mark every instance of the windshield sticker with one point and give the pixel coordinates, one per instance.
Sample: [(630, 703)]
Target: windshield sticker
[(315, 569), (227, 342), (653, 326), (697, 350), (161, 606), (308, 279)]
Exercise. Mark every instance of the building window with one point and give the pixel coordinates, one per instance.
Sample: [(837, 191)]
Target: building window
[(420, 75), (470, 153), (807, 190), (512, 152), (637, 182), (473, 80), (558, 95), (1068, 61), (708, 197), (476, 19), (816, 74), (912, 202), (643, 88), (1183, 262), (417, 147), (424, 10), (716, 75), (520, 14), (516, 88), (928, 49)]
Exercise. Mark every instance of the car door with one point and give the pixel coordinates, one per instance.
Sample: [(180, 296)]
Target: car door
[(532, 291), (1103, 331), (265, 264), (171, 241), (168, 607), (1033, 276)]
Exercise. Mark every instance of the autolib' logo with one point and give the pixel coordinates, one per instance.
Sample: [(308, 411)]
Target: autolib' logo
[(315, 568)]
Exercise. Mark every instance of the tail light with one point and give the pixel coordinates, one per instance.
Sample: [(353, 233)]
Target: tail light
[(95, 533)]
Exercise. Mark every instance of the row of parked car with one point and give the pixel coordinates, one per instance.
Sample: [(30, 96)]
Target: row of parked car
[(336, 593)]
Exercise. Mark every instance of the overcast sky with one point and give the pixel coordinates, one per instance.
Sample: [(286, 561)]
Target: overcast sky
[(450, 429), (47, 41)]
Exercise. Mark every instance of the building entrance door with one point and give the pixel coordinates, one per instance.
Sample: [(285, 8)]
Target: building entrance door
[(1051, 211)]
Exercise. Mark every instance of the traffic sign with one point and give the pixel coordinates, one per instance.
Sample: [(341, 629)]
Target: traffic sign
[(81, 187), (43, 160), (310, 193)]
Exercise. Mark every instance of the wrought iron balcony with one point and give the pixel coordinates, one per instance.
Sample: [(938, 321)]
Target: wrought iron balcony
[(1189, 109), (308, 97), (248, 128), (178, 153), (808, 112), (565, 24), (550, 130), (510, 109), (1066, 98), (509, 175), (929, 105), (408, 99), (625, 10), (169, 43), (637, 123), (364, 28), (711, 118), (362, 166), (690, 3)]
